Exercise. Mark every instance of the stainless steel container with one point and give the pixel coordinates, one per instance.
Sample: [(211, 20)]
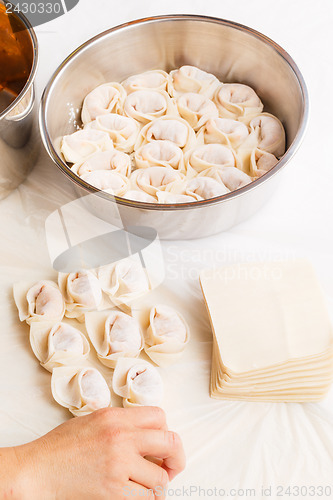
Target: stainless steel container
[(234, 53), (19, 134)]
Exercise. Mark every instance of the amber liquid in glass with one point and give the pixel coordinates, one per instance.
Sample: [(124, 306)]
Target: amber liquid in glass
[(16, 54)]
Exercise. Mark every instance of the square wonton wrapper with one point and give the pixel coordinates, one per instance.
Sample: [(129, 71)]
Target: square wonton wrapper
[(95, 326), (273, 336)]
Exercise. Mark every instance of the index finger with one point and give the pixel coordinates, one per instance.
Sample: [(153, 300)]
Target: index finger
[(147, 417)]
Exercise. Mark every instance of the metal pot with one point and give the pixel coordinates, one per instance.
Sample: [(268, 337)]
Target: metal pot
[(234, 53), (19, 135)]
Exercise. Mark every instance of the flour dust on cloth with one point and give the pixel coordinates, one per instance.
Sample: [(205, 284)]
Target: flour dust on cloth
[(273, 336)]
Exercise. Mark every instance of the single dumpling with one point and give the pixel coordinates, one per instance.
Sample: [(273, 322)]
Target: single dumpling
[(271, 134), (107, 98), (41, 302), (161, 154), (58, 344), (196, 109), (108, 181), (137, 382), (261, 162), (192, 79), (122, 130), (146, 105), (81, 390), (82, 292), (167, 197), (207, 156), (114, 160), (80, 145), (231, 177), (225, 131), (167, 335), (139, 195), (114, 334), (204, 188), (124, 281), (235, 100), (154, 179), (153, 80), (168, 128)]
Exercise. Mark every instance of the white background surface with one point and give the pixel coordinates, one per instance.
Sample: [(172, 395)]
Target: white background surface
[(228, 445)]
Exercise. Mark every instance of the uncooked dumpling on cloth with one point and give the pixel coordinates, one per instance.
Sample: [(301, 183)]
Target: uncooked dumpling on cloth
[(124, 281), (232, 133), (204, 188), (207, 156), (261, 162), (41, 302), (107, 160), (271, 134), (114, 334), (153, 80), (166, 336), (159, 153), (146, 105), (231, 177), (81, 390), (58, 344), (105, 99), (235, 100), (167, 197), (107, 180), (123, 130), (77, 147), (137, 382), (168, 128), (139, 195), (82, 292), (192, 79), (196, 109), (153, 179)]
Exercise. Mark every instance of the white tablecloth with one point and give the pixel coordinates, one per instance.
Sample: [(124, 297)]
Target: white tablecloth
[(230, 446)]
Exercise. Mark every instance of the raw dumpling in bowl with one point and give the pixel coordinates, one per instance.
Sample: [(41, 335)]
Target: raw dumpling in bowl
[(58, 344), (106, 160), (235, 101), (231, 177), (80, 145), (167, 335), (153, 80), (137, 382), (108, 181), (154, 179), (225, 131), (271, 134), (122, 130), (168, 128), (139, 195), (124, 281), (192, 79), (207, 156), (261, 162), (204, 188), (196, 109), (41, 302), (146, 105), (82, 390), (105, 99), (114, 334), (167, 197), (82, 292), (161, 154)]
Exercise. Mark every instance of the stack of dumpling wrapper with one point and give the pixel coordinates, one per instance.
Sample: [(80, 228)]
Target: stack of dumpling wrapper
[(272, 332)]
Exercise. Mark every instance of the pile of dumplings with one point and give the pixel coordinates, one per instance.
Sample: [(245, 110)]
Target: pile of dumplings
[(175, 137), (94, 308)]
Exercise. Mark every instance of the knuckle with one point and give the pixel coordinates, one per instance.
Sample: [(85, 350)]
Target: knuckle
[(158, 413), (174, 439), (162, 478)]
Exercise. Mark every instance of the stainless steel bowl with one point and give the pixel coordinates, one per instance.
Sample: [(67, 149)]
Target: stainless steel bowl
[(232, 52), (19, 135)]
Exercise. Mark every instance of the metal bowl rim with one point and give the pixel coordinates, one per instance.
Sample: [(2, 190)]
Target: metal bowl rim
[(174, 206)]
